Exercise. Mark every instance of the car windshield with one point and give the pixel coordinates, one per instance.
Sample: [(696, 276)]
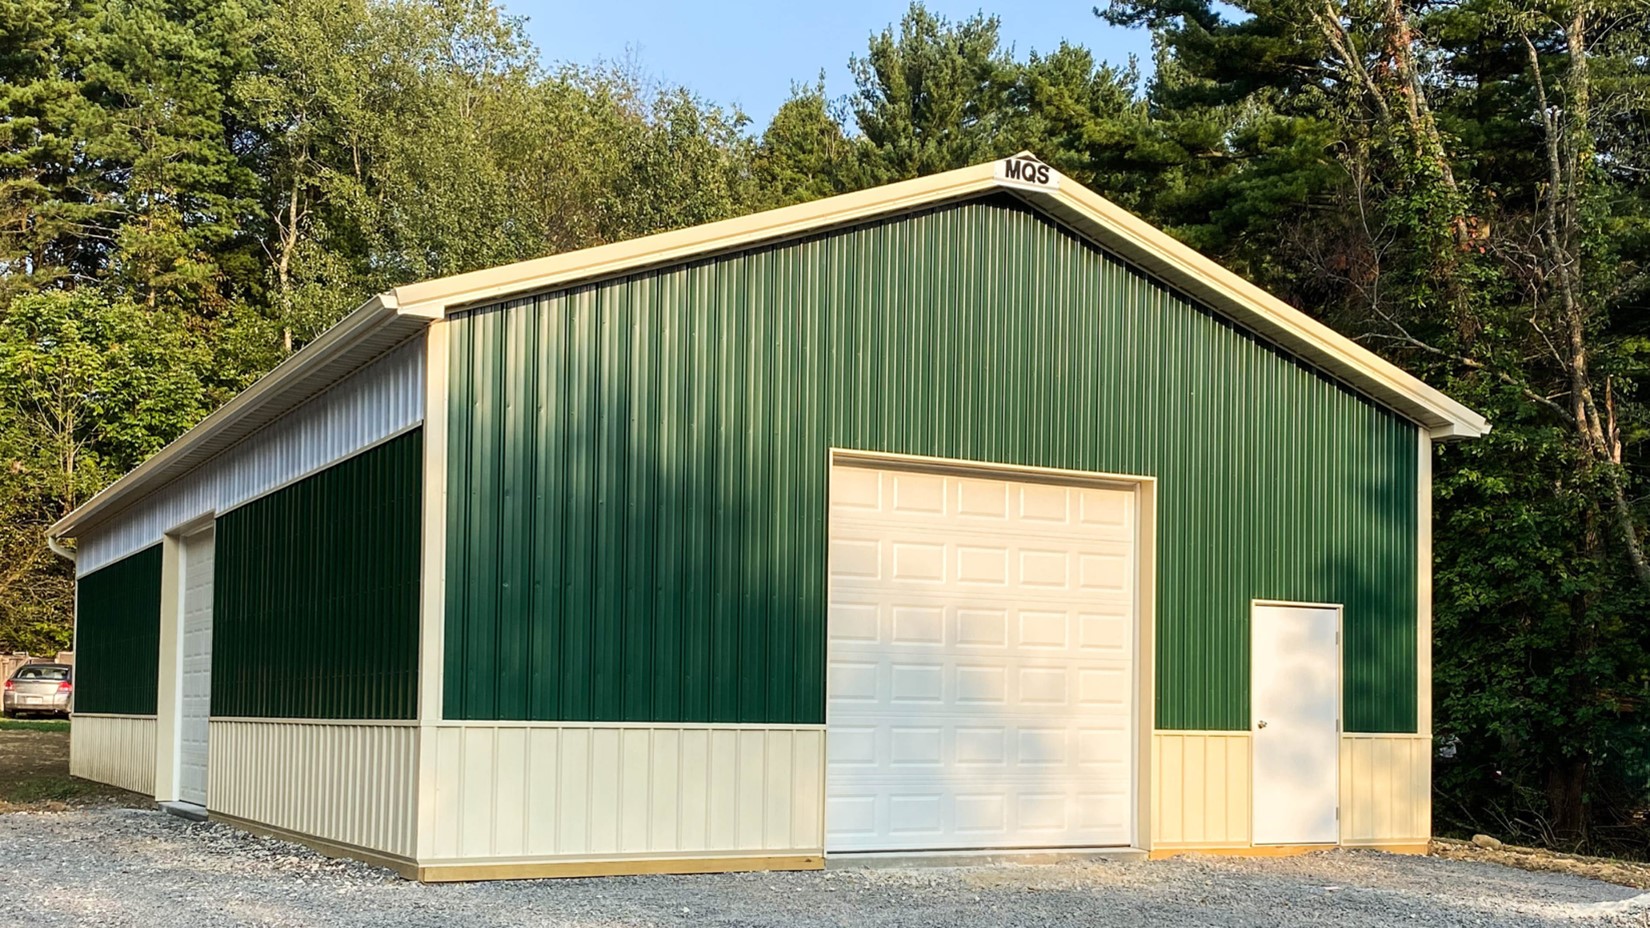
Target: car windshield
[(43, 673)]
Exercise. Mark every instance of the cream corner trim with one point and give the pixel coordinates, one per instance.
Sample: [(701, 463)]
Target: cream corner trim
[(1423, 589)]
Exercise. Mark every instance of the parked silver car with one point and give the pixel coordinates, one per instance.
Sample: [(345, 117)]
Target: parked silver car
[(45, 689)]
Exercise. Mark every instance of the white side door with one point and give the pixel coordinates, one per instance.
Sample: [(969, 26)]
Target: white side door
[(1296, 702), (195, 693)]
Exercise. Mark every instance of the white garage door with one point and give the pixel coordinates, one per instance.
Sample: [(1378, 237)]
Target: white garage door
[(981, 684), (196, 691)]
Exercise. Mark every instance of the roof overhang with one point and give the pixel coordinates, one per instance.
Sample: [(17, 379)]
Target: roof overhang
[(387, 319), (364, 335)]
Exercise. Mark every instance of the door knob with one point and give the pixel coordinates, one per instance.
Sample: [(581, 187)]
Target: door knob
[(1261, 724)]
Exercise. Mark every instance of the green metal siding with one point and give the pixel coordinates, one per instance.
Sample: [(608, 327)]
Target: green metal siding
[(637, 468), (117, 636), (315, 593)]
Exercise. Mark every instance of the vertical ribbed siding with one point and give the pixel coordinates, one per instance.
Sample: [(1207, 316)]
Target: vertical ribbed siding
[(315, 593), (351, 784), (116, 751), (117, 636), (638, 467)]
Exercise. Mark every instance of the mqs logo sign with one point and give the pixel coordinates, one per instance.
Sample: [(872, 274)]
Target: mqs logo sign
[(1027, 171)]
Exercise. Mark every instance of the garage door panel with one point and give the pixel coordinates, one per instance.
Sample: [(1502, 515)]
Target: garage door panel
[(924, 682), (980, 685), (961, 818), (1006, 505), (196, 677), (861, 615), (946, 529)]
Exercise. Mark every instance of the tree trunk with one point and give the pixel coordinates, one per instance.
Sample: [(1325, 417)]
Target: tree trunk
[(1567, 800), (1567, 138)]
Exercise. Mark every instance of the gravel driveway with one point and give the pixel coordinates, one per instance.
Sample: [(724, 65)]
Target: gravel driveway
[(109, 866)]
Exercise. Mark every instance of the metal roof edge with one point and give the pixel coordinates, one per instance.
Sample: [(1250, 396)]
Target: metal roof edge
[(786, 222), (347, 332), (1252, 307)]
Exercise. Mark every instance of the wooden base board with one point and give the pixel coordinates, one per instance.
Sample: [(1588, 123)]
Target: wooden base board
[(1416, 848), (457, 871), (627, 866), (1284, 850), (402, 865)]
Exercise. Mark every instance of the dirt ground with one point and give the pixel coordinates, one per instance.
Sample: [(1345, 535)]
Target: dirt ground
[(34, 775), (1622, 872), (30, 752)]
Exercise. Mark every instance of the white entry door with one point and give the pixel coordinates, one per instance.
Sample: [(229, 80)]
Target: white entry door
[(981, 680), (195, 692), (1297, 708)]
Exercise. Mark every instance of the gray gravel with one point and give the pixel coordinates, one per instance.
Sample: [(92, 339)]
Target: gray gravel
[(141, 868)]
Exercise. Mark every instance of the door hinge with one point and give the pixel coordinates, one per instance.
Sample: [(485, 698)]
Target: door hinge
[(1337, 813)]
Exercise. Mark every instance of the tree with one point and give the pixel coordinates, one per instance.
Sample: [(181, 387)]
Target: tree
[(90, 387), (931, 96), (805, 153)]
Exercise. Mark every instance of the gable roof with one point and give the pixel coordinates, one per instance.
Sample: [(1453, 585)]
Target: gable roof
[(1096, 218), (391, 317)]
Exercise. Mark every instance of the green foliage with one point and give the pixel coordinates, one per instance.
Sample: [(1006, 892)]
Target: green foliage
[(805, 154), (91, 387), (932, 95)]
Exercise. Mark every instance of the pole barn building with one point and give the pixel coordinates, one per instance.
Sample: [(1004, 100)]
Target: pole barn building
[(969, 512)]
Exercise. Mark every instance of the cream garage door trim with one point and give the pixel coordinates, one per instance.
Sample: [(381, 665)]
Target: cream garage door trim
[(981, 660)]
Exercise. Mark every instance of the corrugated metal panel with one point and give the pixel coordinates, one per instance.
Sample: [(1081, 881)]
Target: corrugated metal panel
[(349, 784), (114, 750), (547, 792), (381, 399), (1200, 789), (637, 467), (315, 599), (117, 636), (1386, 789)]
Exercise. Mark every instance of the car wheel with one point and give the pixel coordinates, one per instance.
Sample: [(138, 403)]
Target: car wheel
[(10, 714)]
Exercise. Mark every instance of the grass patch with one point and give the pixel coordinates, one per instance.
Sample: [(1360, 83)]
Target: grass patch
[(59, 792), (34, 725), (48, 788)]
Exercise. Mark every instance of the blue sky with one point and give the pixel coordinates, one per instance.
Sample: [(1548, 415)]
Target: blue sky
[(748, 52)]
